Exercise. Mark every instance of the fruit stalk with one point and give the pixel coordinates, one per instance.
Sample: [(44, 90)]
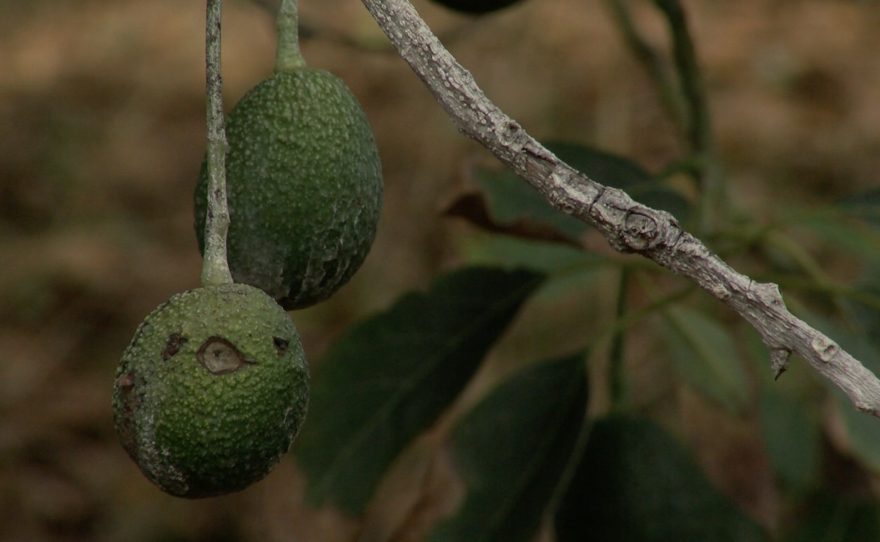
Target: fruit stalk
[(215, 269), (287, 55)]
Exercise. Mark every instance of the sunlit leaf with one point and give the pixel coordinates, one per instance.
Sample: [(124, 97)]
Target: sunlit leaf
[(705, 357), (512, 449), (391, 376), (635, 483)]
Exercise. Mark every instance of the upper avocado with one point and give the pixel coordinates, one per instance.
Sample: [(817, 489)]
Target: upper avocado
[(304, 185)]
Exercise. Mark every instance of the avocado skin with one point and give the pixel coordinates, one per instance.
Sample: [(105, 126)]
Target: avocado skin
[(304, 187), (192, 432)]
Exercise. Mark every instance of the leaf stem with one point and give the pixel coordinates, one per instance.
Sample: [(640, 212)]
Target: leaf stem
[(215, 269), (287, 54)]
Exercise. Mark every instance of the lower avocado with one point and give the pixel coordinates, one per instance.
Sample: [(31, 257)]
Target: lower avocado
[(212, 390)]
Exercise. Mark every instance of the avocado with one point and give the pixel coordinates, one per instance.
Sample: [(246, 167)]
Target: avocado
[(304, 187), (212, 390)]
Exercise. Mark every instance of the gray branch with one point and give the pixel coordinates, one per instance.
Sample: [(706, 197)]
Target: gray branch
[(626, 225)]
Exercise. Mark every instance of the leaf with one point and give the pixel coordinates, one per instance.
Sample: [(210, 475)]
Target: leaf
[(513, 252), (512, 449), (658, 196), (391, 376), (848, 235), (862, 429), (605, 168), (705, 357), (509, 205), (513, 201), (830, 518), (864, 205), (476, 7), (789, 423), (792, 439), (635, 483)]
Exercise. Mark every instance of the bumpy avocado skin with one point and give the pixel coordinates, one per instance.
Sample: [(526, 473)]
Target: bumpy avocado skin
[(197, 433), (304, 185)]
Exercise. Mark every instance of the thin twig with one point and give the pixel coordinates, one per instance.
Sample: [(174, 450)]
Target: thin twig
[(215, 269), (626, 225)]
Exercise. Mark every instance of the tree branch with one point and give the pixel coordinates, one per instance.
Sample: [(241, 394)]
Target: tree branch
[(626, 225)]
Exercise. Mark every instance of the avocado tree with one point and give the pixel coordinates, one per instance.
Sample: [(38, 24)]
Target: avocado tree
[(539, 452)]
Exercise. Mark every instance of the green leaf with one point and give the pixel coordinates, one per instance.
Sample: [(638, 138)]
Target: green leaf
[(390, 377), (705, 357), (789, 421), (847, 235), (635, 483), (832, 518), (512, 200), (792, 439), (864, 205), (664, 198), (512, 449), (620, 172), (513, 252), (605, 168), (863, 429), (866, 306)]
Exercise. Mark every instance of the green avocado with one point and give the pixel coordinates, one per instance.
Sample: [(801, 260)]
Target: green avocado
[(304, 187), (211, 391)]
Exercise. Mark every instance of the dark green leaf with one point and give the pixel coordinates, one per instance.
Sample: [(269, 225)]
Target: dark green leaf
[(866, 306), (864, 205), (832, 518), (605, 168), (663, 198), (476, 7), (863, 429), (513, 252), (390, 377), (636, 483), (518, 209), (792, 438), (512, 201), (512, 449), (705, 357)]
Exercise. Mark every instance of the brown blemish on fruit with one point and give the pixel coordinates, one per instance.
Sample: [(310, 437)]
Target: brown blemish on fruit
[(175, 342), (281, 345), (220, 356)]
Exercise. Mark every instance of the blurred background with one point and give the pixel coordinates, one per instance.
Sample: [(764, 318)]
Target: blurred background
[(102, 133)]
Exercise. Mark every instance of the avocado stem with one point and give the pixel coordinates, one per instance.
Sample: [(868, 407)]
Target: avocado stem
[(215, 268), (287, 55)]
